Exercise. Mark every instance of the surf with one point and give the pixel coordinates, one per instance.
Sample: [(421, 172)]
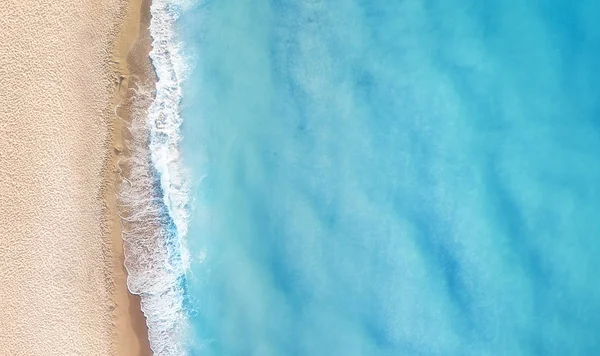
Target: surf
[(155, 195)]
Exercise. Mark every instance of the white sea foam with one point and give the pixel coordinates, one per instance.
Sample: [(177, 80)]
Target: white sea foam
[(155, 193), (163, 117), (154, 267)]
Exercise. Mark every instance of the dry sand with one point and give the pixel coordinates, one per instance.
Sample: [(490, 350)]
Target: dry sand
[(62, 284)]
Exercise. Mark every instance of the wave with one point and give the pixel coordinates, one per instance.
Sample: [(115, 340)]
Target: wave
[(154, 195), (163, 117)]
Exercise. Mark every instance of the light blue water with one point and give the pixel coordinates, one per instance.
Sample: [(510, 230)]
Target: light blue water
[(393, 177)]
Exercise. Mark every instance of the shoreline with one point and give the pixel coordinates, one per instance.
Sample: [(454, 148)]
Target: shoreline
[(154, 195), (132, 67)]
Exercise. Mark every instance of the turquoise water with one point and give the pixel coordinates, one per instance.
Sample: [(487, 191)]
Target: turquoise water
[(391, 177)]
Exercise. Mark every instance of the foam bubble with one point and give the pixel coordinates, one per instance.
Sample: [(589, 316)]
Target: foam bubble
[(154, 196)]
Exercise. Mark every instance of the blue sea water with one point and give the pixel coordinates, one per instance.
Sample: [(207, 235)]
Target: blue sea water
[(416, 177)]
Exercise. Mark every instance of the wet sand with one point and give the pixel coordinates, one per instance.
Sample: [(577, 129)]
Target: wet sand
[(135, 70)]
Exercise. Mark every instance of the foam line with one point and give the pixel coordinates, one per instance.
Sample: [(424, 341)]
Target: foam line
[(154, 198)]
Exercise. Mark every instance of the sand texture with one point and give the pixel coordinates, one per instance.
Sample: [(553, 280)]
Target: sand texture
[(60, 290)]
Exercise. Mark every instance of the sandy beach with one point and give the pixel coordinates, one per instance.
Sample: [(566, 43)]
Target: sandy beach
[(62, 282)]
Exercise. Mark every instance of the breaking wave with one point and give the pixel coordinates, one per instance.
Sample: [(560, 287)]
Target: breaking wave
[(154, 193)]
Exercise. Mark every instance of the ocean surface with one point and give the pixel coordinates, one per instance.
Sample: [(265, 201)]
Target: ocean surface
[(354, 177)]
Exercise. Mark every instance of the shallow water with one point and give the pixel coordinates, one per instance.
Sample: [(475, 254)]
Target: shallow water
[(391, 178)]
